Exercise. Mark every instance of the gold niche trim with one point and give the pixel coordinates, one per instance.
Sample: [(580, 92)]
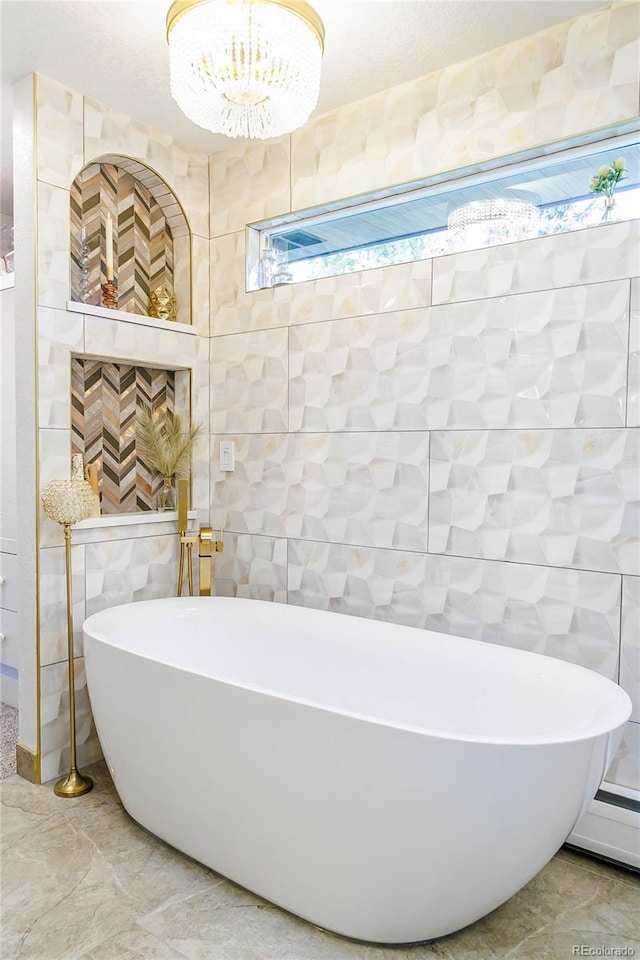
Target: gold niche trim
[(28, 762)]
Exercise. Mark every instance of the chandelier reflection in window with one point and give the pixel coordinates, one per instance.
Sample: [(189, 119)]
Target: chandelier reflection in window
[(482, 223)]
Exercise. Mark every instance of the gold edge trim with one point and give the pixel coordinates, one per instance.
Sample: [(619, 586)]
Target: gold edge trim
[(37, 758), (27, 764), (190, 381), (300, 8), (191, 289)]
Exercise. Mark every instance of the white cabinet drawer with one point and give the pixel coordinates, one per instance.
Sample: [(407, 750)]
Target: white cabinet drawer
[(8, 581), (9, 646)]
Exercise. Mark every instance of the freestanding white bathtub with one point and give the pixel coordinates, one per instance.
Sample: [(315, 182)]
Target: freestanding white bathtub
[(384, 782)]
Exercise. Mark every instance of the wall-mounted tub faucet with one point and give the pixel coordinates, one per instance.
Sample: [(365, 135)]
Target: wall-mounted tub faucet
[(207, 546)]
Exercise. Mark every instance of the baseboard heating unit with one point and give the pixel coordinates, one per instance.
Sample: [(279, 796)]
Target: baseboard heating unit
[(610, 828)]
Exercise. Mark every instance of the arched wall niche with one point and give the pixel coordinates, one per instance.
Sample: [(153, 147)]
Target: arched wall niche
[(151, 235)]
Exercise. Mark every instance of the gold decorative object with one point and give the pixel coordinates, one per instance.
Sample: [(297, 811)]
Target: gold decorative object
[(66, 502), (245, 69), (109, 295), (163, 304)]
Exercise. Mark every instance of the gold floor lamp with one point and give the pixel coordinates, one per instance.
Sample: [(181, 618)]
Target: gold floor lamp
[(66, 502)]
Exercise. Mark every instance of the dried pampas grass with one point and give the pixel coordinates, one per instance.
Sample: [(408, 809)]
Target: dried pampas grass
[(163, 443)]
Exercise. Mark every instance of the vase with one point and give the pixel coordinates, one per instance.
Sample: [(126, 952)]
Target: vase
[(85, 272), (167, 495), (609, 205)]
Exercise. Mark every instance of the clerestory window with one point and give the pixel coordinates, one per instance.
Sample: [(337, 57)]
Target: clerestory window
[(570, 187)]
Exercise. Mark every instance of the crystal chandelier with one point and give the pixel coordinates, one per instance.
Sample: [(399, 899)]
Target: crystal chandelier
[(245, 68), (495, 221)]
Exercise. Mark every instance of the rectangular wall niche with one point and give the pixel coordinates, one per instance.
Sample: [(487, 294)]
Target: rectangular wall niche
[(104, 398)]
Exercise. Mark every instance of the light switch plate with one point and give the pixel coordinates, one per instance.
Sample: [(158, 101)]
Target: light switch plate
[(227, 458)]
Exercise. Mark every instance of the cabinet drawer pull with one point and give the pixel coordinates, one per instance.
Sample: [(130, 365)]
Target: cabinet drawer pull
[(3, 636)]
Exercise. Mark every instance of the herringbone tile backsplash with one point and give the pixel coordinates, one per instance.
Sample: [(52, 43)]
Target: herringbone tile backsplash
[(143, 243), (104, 401)]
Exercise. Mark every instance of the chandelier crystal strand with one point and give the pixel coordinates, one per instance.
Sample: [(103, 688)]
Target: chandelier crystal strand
[(480, 211), (245, 68)]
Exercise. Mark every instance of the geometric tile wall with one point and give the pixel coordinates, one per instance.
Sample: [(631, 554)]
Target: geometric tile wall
[(105, 398), (569, 614), (527, 360), (567, 498), (465, 466), (512, 374), (362, 488)]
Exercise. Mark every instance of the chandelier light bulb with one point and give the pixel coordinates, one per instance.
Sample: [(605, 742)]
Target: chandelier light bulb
[(245, 68)]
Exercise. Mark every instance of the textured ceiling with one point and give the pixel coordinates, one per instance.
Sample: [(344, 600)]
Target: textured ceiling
[(115, 51)]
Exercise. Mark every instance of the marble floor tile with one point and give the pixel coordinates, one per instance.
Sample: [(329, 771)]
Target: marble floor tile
[(134, 943), (82, 881), (229, 923), (601, 868)]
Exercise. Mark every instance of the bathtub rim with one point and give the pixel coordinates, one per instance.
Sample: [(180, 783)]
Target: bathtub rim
[(620, 711)]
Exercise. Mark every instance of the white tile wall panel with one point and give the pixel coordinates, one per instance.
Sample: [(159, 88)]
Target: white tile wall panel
[(124, 571), (360, 488), (53, 603), (633, 401), (560, 497), (607, 252), (60, 146), (55, 464), (362, 581), (54, 706), (59, 335), (361, 373), (250, 180), (53, 246), (399, 286), (249, 382), (555, 358), (253, 567), (625, 768), (569, 614), (200, 279)]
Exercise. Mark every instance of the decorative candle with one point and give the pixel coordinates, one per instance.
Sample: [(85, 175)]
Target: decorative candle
[(108, 262)]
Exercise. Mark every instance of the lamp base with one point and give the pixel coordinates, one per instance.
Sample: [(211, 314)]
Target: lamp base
[(73, 785)]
